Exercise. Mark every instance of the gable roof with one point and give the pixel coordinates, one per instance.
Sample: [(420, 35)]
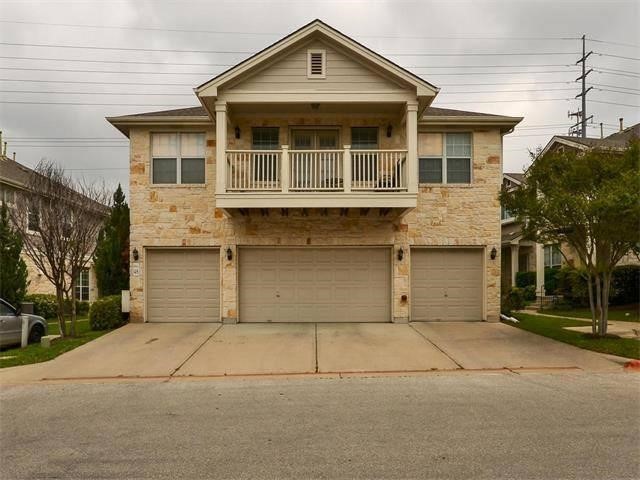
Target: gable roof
[(306, 31), (514, 177), (615, 141)]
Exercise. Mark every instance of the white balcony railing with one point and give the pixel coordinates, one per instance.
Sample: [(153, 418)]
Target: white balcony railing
[(343, 170)]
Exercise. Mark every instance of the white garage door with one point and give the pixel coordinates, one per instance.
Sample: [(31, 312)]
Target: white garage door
[(446, 284), (310, 284), (183, 285)]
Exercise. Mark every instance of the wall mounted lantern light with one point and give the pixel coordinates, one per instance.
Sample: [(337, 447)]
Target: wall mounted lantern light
[(229, 253), (136, 255), (237, 131), (389, 130), (400, 254), (494, 253)]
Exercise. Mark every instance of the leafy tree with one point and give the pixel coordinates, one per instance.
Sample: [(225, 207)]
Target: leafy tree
[(112, 255), (590, 201), (13, 270)]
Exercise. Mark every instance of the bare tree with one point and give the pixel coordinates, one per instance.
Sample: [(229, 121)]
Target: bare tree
[(59, 220)]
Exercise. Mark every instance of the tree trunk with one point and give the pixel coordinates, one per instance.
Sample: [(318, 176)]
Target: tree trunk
[(73, 314), (594, 324), (605, 302), (599, 303), (60, 311)]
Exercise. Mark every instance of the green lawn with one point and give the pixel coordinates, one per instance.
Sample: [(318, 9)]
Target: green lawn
[(34, 353), (552, 327), (625, 313)]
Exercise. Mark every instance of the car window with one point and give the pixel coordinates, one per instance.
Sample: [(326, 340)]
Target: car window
[(5, 310)]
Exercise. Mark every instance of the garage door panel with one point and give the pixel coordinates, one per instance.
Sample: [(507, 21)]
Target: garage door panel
[(446, 284), (183, 285), (317, 284)]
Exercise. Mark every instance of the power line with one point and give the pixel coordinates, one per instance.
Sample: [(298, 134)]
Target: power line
[(619, 104), (238, 52), (10, 57), (208, 74), (101, 104), (616, 91), (618, 74), (616, 56), (220, 32), (614, 43)]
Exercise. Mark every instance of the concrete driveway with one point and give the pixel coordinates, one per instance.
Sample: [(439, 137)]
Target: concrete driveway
[(163, 351)]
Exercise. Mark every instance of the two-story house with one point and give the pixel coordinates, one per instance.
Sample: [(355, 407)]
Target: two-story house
[(14, 178), (315, 183)]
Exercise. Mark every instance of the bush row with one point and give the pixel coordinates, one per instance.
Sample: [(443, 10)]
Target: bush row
[(105, 313), (572, 284), (46, 305)]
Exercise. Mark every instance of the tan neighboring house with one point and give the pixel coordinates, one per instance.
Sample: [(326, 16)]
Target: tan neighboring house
[(522, 255), (13, 178), (315, 183)]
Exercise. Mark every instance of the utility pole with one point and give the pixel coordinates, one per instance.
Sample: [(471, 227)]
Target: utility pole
[(582, 115)]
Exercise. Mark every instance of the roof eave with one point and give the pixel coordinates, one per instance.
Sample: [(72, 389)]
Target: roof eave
[(124, 123)]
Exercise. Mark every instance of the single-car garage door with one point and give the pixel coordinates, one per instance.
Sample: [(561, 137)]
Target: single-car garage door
[(446, 284), (183, 285), (312, 284)]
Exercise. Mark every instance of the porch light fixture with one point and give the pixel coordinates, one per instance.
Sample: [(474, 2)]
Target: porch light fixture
[(389, 130), (136, 255), (400, 254), (229, 253), (494, 253), (237, 131)]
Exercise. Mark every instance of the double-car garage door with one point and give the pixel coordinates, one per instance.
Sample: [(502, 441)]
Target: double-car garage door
[(313, 284)]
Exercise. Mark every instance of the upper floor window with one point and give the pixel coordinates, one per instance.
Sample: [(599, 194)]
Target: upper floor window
[(506, 214), (316, 64), (552, 256), (265, 138), (7, 194), (33, 220), (447, 159), (178, 158)]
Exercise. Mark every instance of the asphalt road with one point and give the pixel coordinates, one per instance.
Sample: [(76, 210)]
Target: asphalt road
[(569, 425)]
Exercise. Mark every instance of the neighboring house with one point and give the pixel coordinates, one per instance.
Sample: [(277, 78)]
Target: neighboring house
[(315, 184), (13, 178), (522, 255)]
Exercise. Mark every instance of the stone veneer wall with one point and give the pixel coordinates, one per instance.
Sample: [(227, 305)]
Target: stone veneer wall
[(185, 216), (38, 283)]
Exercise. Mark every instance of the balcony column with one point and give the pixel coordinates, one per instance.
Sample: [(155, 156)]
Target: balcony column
[(346, 169), (221, 146), (515, 251), (412, 146), (285, 169), (539, 268)]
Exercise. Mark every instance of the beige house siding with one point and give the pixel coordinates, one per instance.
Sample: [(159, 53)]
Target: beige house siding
[(290, 73), (185, 216), (40, 284)]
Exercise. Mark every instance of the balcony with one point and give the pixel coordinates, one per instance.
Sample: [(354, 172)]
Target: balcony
[(342, 178)]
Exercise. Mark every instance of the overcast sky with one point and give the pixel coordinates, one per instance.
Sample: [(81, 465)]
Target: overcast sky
[(537, 43)]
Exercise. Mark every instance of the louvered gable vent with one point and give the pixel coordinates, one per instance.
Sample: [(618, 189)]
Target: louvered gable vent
[(316, 64)]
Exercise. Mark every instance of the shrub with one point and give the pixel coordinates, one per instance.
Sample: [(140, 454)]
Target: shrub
[(572, 285), (551, 280), (524, 279), (625, 285), (529, 292), (105, 313), (43, 304), (512, 300)]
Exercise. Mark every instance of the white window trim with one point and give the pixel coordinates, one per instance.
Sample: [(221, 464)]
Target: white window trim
[(178, 161), (551, 264), (78, 288), (324, 64), (443, 157)]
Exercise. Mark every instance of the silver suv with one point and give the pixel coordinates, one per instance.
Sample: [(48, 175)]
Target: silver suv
[(11, 325)]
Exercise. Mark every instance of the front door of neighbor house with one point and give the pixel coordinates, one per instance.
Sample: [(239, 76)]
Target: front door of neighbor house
[(313, 168)]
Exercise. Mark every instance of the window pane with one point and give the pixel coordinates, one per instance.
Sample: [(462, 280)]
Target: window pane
[(192, 170), (364, 138), (164, 170), (430, 144), (33, 220), (458, 145), (430, 170), (164, 145), (556, 256), (265, 138), (192, 145), (458, 170)]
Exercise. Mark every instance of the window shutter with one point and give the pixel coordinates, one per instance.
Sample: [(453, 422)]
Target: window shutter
[(316, 64)]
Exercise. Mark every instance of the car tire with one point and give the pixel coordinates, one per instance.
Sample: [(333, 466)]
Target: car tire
[(36, 333)]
